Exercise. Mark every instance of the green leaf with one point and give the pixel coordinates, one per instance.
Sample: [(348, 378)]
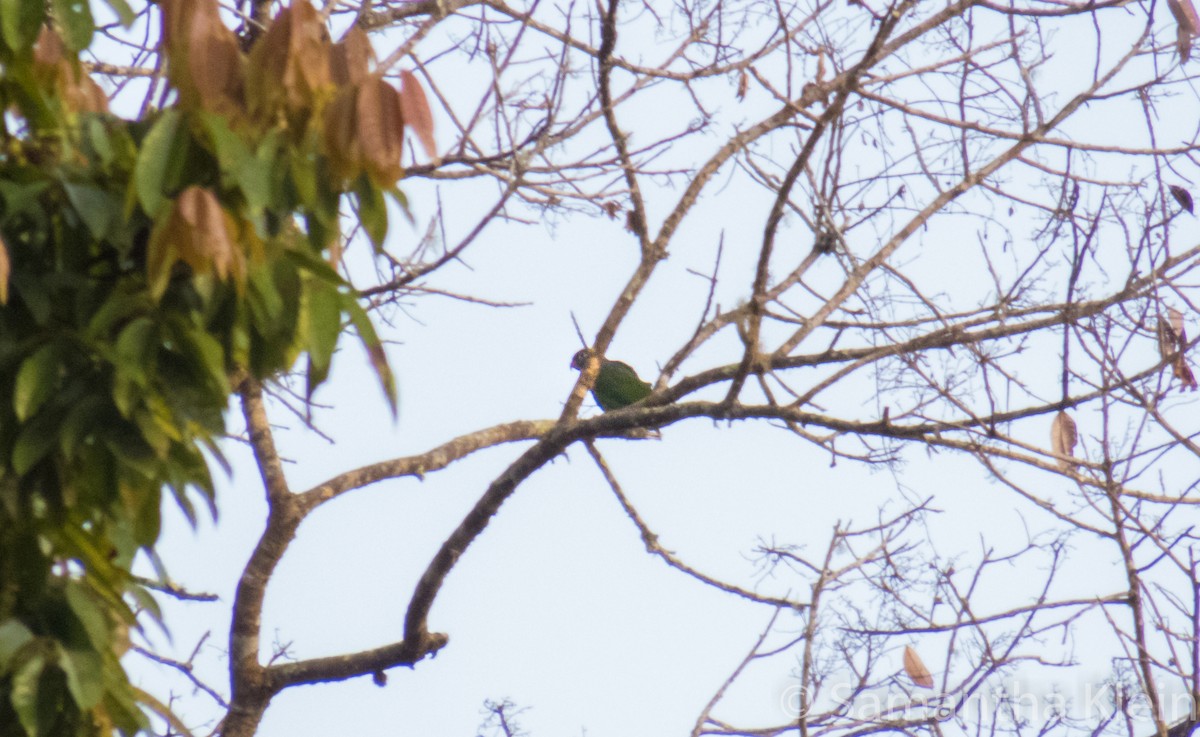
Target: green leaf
[(373, 346), (105, 579), (95, 207), (151, 430), (401, 200), (75, 17), (143, 600), (314, 265), (185, 504), (94, 621), (206, 358), (99, 139), (125, 544), (13, 637), (85, 676), (134, 346), (138, 464), (372, 212), (35, 440), (121, 708), (161, 257), (161, 152), (302, 170), (264, 301), (25, 693), (22, 198), (259, 175), (117, 309), (162, 711), (134, 357), (232, 152), (158, 414), (35, 293), (324, 325), (147, 519), (36, 381), (239, 344), (82, 418), (20, 21), (124, 12)]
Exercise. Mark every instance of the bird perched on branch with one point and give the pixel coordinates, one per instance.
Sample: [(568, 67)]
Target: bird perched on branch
[(617, 384)]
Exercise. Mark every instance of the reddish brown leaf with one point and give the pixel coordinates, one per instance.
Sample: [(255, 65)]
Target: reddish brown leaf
[(1175, 318), (916, 669), (743, 85), (198, 232), (290, 62), (379, 127), (268, 61), (1182, 196), (88, 97), (310, 46), (5, 270), (1168, 339), (1172, 338), (205, 63), (417, 114), (1172, 342), (215, 64), (204, 236), (1063, 437), (341, 141), (335, 253), (174, 23), (1185, 15), (1183, 372), (1188, 22), (55, 69), (48, 51), (350, 58)]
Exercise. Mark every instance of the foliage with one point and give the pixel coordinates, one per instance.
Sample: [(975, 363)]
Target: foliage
[(149, 267)]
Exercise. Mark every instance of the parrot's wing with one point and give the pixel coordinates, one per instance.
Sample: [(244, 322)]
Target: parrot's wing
[(618, 385)]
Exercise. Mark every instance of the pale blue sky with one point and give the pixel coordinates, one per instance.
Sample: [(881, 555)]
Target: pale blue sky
[(557, 606)]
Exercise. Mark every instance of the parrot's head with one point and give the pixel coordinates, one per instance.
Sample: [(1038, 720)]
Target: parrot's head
[(579, 362)]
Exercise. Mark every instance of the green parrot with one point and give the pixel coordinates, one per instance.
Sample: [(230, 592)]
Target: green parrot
[(617, 384)]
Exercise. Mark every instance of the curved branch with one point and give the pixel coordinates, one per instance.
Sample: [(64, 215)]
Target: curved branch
[(419, 465)]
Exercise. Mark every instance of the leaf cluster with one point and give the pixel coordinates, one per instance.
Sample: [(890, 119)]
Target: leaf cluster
[(147, 267)]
